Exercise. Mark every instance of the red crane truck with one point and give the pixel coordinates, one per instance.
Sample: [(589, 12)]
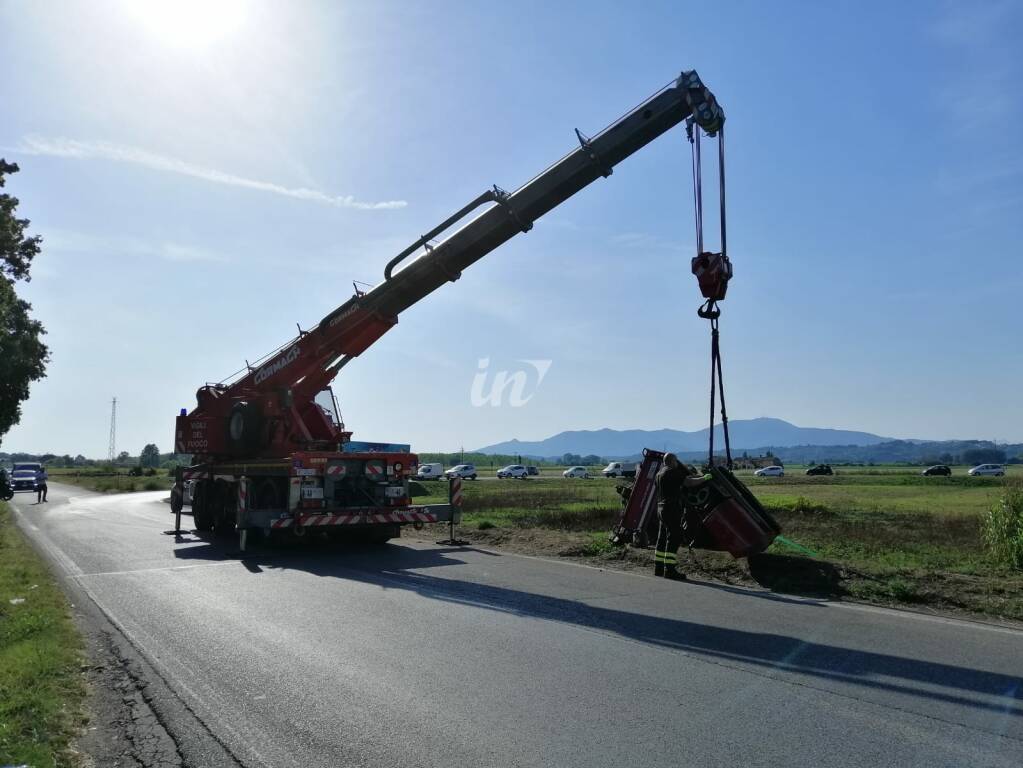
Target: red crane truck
[(269, 456)]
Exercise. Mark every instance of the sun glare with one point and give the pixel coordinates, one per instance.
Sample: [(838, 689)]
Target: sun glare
[(192, 24)]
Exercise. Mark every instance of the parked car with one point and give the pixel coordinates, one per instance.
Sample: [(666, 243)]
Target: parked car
[(987, 470), (774, 471), (430, 472), (938, 469), (513, 470), (619, 469), (464, 471), (580, 472), (820, 469), (533, 470), (24, 474)]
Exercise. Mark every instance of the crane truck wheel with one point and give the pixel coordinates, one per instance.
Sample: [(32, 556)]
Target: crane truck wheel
[(223, 508), (269, 495), (244, 426), (202, 516)]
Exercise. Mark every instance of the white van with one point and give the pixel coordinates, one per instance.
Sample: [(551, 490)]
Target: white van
[(430, 472), (619, 469)]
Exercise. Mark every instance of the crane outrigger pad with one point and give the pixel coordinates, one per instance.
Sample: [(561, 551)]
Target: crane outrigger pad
[(721, 515)]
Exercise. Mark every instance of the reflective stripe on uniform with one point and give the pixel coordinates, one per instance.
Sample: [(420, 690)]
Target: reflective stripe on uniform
[(659, 556), (670, 558)]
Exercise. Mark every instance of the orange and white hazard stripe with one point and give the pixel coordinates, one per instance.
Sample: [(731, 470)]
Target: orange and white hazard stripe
[(322, 520)]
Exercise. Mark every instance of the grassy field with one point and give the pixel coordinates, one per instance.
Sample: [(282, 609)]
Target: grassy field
[(41, 688), (892, 535), (108, 483)]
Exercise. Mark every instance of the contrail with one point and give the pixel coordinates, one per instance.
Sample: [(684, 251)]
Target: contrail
[(120, 153)]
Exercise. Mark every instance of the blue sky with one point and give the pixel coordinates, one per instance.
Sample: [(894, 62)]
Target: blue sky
[(205, 175)]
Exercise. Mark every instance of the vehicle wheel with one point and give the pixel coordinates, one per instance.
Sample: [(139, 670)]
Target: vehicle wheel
[(472, 477), (268, 496), (201, 512), (244, 427), (225, 507)]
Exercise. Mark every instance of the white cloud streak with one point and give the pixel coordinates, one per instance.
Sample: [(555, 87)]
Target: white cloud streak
[(120, 153)]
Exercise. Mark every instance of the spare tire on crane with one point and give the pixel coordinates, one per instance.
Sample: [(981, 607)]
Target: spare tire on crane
[(244, 427)]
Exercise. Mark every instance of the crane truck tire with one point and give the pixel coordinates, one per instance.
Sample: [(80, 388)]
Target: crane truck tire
[(223, 510), (202, 512), (244, 426)]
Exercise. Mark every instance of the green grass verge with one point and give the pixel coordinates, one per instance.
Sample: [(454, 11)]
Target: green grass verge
[(41, 687)]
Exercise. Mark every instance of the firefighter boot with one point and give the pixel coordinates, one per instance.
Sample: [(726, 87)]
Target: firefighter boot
[(673, 573), (658, 569)]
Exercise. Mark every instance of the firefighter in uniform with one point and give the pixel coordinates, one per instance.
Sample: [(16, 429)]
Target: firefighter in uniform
[(673, 479)]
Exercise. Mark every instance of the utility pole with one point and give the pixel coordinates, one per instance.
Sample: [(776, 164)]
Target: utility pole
[(112, 450)]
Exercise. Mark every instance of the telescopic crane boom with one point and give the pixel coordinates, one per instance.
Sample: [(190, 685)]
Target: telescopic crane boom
[(270, 410)]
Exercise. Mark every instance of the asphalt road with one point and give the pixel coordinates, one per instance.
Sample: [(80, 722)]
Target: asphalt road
[(415, 654)]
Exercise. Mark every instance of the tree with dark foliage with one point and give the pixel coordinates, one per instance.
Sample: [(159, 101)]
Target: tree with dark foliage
[(23, 356), (150, 456)]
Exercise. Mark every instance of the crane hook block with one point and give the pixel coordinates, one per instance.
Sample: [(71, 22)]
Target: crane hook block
[(713, 271)]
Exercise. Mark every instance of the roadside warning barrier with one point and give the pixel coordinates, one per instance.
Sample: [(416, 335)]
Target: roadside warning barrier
[(455, 500)]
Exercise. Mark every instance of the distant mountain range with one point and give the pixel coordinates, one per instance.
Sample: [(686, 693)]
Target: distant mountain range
[(745, 434)]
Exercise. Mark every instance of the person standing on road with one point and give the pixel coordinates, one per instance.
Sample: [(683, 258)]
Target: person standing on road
[(41, 478), (672, 480)]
